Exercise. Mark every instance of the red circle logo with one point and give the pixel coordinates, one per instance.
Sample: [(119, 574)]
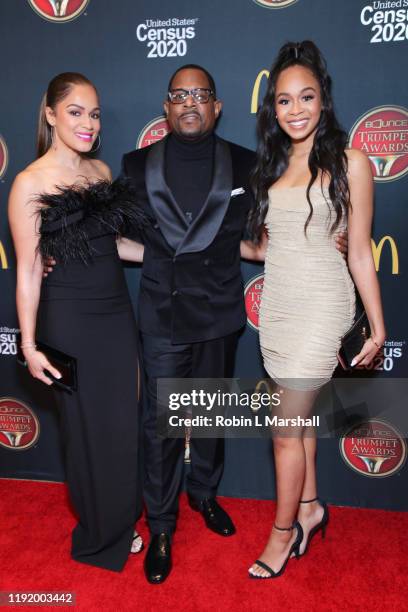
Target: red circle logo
[(275, 3), (19, 426), (382, 134), (3, 157), (152, 132), (253, 293), (373, 448), (59, 10)]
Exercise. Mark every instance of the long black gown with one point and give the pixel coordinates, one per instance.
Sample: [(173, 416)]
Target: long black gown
[(86, 312)]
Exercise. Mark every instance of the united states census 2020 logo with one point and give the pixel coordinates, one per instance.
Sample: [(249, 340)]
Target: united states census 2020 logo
[(152, 132), (59, 10), (3, 157), (19, 426), (8, 335), (275, 3), (253, 292), (387, 20), (167, 37), (374, 448), (382, 133)]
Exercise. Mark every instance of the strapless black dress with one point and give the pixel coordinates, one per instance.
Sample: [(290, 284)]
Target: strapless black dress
[(85, 311)]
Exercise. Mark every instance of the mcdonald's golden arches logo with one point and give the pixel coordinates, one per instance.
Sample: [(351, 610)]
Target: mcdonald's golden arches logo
[(255, 91), (3, 257), (3, 156), (377, 251)]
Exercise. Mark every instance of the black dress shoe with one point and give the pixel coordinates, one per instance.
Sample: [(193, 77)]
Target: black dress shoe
[(215, 517), (157, 562)]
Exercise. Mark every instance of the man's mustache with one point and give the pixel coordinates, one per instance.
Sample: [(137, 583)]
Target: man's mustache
[(189, 114)]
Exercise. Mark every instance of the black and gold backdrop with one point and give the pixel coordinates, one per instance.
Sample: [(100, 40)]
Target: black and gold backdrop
[(128, 48)]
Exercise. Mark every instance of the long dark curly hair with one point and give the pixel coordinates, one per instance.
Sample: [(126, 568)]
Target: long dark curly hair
[(327, 154)]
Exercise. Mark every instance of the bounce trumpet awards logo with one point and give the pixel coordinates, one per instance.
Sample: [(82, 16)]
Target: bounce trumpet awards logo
[(152, 132), (3, 157), (275, 3), (19, 426), (374, 448), (167, 37), (253, 293), (386, 20), (382, 133), (59, 10)]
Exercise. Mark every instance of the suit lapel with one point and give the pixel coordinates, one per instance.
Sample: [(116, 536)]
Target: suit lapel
[(205, 226), (168, 213), (181, 236)]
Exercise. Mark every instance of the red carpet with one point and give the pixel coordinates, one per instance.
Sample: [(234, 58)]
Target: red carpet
[(360, 566)]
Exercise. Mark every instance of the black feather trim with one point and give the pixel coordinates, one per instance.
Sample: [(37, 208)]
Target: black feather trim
[(70, 217)]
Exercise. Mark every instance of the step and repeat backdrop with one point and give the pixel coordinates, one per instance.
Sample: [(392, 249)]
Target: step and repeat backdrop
[(129, 48)]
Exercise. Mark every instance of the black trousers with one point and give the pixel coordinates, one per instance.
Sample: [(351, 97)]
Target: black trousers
[(164, 458)]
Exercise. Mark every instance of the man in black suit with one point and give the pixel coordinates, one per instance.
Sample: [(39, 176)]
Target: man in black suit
[(194, 189)]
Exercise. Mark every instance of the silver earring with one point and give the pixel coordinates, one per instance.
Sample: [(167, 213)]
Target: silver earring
[(99, 145)]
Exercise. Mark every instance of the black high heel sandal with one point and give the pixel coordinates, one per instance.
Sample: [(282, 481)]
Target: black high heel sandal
[(293, 549), (320, 526)]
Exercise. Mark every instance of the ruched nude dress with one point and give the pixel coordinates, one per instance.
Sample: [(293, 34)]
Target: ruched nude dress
[(308, 298)]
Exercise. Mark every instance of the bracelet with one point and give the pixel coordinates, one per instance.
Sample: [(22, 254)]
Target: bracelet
[(376, 343), (25, 345)]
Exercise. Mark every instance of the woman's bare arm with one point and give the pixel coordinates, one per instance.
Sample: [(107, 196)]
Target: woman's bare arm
[(360, 256), (23, 220)]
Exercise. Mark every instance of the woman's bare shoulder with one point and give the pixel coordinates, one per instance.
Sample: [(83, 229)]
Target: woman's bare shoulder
[(37, 178), (29, 180), (357, 161), (99, 169)]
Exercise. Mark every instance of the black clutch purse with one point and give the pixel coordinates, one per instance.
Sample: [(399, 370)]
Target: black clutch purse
[(353, 341), (64, 363)]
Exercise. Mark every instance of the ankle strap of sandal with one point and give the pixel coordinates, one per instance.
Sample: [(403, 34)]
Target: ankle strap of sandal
[(283, 528), (308, 501)]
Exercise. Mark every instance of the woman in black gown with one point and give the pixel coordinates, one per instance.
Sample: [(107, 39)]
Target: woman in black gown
[(64, 205)]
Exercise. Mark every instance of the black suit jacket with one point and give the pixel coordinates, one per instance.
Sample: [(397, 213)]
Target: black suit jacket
[(191, 287)]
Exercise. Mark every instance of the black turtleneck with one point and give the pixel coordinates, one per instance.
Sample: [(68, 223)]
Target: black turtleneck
[(189, 168)]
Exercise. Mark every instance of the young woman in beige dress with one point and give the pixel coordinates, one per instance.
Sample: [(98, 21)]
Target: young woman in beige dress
[(309, 187)]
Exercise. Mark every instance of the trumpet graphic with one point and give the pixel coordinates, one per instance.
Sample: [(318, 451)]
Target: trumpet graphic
[(384, 164), (59, 7), (373, 464), (14, 437)]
